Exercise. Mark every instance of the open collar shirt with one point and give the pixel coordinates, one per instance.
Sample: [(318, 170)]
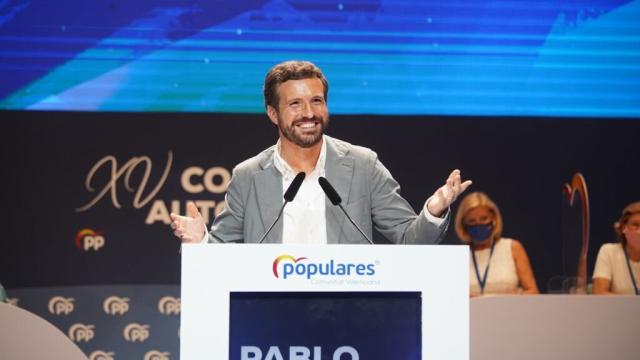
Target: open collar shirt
[(304, 218)]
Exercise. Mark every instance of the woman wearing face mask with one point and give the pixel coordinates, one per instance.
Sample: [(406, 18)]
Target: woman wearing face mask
[(497, 265), (617, 268)]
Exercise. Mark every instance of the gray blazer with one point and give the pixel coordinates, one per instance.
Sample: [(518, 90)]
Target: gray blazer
[(369, 194)]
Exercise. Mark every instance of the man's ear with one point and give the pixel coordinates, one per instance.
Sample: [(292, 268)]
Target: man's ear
[(273, 114)]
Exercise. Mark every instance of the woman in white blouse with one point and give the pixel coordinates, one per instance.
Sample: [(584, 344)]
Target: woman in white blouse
[(497, 265), (617, 269)]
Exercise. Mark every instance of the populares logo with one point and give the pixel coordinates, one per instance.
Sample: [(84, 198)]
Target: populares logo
[(169, 305), (156, 355), (87, 239), (286, 266), (81, 332), (135, 332), (102, 355), (114, 305), (60, 305), (282, 258)]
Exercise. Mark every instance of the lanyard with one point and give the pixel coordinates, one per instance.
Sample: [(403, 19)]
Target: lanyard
[(482, 281), (633, 278)]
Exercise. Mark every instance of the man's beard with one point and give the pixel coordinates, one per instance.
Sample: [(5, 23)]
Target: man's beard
[(303, 140)]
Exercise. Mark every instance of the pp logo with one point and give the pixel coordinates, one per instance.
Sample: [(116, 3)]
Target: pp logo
[(60, 305), (114, 305), (169, 305), (80, 332), (156, 355), (101, 355), (87, 239), (135, 332)]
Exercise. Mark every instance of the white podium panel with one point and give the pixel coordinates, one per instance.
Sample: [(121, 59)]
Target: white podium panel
[(213, 273)]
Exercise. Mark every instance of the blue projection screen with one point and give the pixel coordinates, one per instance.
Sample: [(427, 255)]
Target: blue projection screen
[(412, 57)]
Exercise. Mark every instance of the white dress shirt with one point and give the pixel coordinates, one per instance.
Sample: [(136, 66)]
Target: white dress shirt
[(304, 218)]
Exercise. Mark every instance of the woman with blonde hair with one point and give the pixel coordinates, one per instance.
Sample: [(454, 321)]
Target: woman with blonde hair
[(498, 265), (617, 269)]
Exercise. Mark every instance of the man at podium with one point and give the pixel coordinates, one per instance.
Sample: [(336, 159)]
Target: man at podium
[(278, 196)]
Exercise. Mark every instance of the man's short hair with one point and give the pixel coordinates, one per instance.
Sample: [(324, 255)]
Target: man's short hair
[(290, 70)]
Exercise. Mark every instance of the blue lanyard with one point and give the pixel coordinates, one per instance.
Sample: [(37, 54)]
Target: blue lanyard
[(633, 278), (482, 281)]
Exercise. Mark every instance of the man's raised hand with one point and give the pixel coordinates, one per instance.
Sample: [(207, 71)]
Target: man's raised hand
[(447, 193), (190, 228)]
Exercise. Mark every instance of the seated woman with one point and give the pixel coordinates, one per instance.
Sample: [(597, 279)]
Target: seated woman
[(498, 265), (617, 269)]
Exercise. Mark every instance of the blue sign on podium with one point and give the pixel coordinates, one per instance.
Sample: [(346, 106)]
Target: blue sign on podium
[(325, 325)]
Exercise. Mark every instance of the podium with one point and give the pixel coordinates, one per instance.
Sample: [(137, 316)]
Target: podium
[(275, 301)]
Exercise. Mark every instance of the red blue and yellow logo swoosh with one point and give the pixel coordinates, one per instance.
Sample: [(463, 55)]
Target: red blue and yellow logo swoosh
[(283, 258)]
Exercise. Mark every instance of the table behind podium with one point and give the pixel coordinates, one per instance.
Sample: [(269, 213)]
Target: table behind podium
[(532, 327)]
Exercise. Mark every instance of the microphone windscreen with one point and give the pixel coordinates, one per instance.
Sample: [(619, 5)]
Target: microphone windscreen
[(332, 194), (291, 192)]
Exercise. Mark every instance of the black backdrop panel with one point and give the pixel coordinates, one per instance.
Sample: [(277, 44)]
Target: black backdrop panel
[(57, 232)]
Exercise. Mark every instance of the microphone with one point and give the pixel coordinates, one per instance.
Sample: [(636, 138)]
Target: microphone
[(291, 192), (335, 199), (289, 195)]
